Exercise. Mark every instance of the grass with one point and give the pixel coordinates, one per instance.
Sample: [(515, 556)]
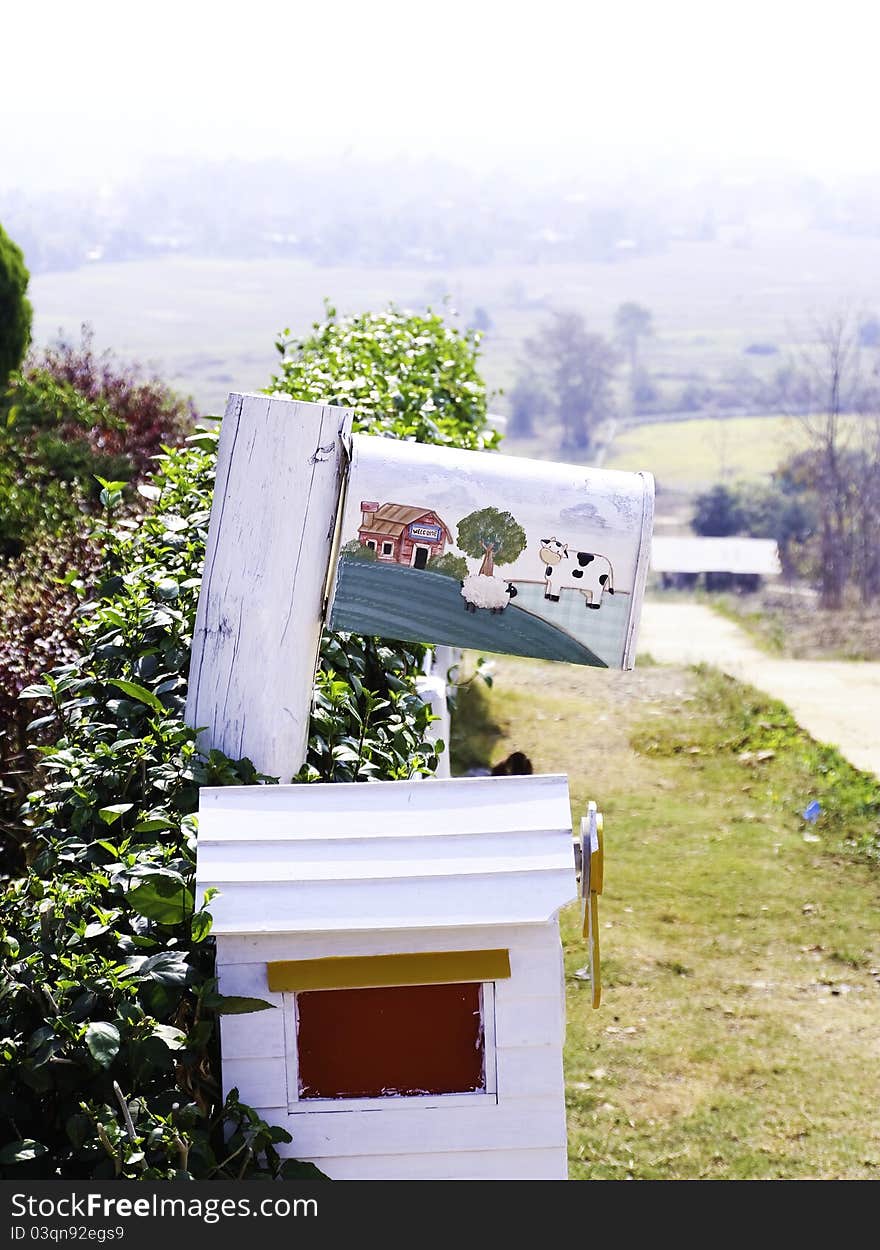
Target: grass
[(689, 455), (795, 627), (741, 959)]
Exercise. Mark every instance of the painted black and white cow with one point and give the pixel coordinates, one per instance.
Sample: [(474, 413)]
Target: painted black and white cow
[(585, 571)]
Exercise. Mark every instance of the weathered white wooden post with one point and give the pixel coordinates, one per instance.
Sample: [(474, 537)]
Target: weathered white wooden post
[(258, 628)]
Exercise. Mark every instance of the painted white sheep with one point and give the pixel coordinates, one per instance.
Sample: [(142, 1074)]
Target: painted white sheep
[(480, 591)]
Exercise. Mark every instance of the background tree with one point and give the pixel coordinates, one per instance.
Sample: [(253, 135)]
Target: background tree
[(15, 308), (783, 509), (528, 400), (580, 369), (632, 323), (493, 535), (831, 373), (866, 545), (717, 513), (780, 510)]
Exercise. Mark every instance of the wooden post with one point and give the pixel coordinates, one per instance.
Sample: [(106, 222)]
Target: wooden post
[(280, 469)]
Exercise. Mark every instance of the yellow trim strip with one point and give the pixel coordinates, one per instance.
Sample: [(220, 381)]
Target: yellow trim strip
[(354, 972)]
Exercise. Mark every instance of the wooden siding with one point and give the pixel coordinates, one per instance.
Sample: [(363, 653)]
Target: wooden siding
[(390, 855)]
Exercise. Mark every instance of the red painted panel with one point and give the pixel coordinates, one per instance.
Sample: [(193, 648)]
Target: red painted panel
[(409, 1039)]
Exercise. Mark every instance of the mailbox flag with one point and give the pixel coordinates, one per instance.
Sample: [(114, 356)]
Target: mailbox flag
[(492, 553)]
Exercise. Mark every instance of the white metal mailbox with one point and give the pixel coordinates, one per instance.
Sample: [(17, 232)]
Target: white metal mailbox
[(407, 937), (492, 552)]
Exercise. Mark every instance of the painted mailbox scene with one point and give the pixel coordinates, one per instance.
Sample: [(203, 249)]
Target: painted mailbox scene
[(503, 554)]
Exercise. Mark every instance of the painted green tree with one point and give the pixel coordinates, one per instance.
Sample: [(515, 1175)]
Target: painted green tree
[(15, 308), (495, 536)]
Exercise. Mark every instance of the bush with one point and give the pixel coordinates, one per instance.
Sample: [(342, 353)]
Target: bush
[(68, 419), (15, 309), (108, 1003), (146, 415), (39, 596), (407, 375), (717, 512), (780, 509), (107, 978)]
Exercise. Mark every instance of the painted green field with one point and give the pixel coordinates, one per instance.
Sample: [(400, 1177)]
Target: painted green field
[(689, 455), (410, 603)]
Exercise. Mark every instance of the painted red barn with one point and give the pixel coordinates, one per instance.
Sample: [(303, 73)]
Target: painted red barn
[(402, 534)]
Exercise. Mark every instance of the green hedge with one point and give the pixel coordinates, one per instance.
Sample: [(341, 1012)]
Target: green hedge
[(108, 1003)]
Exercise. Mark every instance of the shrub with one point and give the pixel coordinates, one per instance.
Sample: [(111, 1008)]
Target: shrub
[(68, 419), (108, 1003), (406, 375), (717, 512), (39, 596), (450, 565), (107, 978), (15, 309), (780, 509), (146, 415)]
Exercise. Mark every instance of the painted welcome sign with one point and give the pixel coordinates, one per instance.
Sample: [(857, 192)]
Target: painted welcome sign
[(491, 552)]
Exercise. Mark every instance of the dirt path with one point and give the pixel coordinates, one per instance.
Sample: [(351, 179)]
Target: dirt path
[(835, 701)]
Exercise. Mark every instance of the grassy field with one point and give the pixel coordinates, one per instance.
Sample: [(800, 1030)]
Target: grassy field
[(737, 1038), (689, 455), (210, 325)]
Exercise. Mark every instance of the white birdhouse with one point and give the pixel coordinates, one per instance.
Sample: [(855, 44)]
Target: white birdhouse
[(406, 935)]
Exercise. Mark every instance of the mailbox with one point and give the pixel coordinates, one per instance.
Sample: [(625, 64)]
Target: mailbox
[(406, 935), (493, 553)]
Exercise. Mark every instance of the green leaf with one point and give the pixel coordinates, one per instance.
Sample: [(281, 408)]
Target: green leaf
[(174, 1039), (22, 1151), (114, 811), (102, 1040), (153, 823), (232, 1005), (36, 692), (134, 691), (296, 1170), (163, 901), (166, 967), (95, 929), (201, 926)]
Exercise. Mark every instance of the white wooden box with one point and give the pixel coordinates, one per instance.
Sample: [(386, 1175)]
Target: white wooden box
[(352, 889)]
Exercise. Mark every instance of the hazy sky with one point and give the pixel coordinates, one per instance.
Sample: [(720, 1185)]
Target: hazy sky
[(95, 88)]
